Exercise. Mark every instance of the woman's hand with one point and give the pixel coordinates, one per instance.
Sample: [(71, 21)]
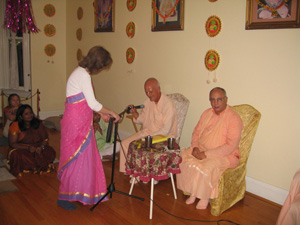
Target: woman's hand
[(105, 117), (198, 154)]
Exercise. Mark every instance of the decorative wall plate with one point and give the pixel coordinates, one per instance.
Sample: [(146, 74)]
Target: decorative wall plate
[(213, 26), (212, 0), (212, 60), (49, 10), (130, 55), (130, 29), (50, 50), (79, 34), (79, 13), (131, 4), (49, 30), (79, 54)]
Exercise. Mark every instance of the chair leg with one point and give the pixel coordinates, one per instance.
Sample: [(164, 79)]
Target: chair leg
[(151, 198), (173, 185), (132, 185)]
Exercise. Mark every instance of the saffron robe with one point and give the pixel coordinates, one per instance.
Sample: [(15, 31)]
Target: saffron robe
[(218, 136), (157, 118)]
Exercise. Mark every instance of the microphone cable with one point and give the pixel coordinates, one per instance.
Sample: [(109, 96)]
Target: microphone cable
[(165, 211)]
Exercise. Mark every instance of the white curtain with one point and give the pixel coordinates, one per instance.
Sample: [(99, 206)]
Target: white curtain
[(13, 66), (4, 53)]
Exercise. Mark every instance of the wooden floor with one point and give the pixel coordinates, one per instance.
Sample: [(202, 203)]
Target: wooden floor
[(35, 203)]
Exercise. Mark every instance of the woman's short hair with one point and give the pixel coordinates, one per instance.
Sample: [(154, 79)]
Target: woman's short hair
[(96, 59), (35, 122)]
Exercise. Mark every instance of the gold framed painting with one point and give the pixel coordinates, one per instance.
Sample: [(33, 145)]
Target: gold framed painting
[(104, 11), (272, 14), (167, 15)]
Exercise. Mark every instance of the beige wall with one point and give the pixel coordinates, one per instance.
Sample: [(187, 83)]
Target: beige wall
[(48, 77), (258, 67)]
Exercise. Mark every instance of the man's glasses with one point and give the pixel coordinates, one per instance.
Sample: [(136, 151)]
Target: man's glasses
[(216, 100)]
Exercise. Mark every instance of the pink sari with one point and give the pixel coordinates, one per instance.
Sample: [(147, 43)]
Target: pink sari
[(80, 168)]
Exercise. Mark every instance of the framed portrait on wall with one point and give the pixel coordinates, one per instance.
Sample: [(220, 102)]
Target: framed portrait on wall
[(272, 14), (167, 15), (104, 15)]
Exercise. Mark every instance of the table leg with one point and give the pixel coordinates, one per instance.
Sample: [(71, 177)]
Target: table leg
[(151, 198), (173, 184)]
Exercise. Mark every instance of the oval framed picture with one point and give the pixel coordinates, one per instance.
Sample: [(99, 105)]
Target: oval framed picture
[(213, 26), (50, 50), (212, 60), (79, 54), (130, 55), (79, 13), (49, 10), (79, 34), (131, 4), (130, 29), (49, 30)]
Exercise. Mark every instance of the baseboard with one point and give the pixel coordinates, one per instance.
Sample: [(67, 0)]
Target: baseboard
[(266, 191)]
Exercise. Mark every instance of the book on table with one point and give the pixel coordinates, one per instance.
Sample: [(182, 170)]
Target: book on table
[(158, 138)]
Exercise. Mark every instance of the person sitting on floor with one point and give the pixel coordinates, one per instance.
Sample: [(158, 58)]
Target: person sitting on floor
[(215, 148), (10, 112), (105, 149), (159, 116), (28, 140)]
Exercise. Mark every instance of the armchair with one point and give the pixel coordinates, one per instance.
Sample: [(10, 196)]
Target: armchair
[(182, 105), (232, 185)]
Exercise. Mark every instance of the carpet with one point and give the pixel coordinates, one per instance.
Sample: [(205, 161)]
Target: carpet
[(5, 181), (5, 175), (7, 186)]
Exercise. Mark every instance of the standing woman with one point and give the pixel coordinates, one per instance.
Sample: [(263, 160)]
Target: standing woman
[(80, 169)]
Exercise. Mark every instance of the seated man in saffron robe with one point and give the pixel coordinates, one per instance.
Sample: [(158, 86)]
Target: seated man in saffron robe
[(215, 148), (159, 116)]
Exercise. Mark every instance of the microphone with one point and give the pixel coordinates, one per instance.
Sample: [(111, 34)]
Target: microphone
[(109, 129), (137, 107)]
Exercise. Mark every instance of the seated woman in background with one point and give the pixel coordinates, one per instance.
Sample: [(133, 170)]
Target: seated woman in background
[(28, 139), (10, 112)]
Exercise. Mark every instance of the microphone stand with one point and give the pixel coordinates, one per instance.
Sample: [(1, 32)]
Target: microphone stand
[(111, 187)]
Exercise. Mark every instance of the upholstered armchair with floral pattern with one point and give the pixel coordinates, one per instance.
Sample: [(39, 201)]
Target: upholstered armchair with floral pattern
[(182, 105), (232, 185)]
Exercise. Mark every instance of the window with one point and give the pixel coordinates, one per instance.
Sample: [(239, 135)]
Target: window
[(14, 58)]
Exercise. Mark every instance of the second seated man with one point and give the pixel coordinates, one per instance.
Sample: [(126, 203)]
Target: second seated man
[(158, 116), (215, 148)]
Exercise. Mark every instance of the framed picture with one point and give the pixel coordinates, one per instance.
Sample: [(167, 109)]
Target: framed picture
[(272, 14), (167, 15), (104, 15)]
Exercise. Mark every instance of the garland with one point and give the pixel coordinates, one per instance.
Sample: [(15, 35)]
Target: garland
[(98, 14), (158, 12), (19, 16), (274, 10)]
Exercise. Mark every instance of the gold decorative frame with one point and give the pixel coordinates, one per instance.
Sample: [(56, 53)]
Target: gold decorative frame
[(130, 55), (130, 29), (213, 26), (285, 15), (171, 19), (131, 4), (212, 60), (104, 15)]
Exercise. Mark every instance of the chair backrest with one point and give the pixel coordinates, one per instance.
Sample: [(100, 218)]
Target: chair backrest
[(182, 105), (250, 117)]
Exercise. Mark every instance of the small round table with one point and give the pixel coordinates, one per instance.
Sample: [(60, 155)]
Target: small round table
[(155, 163)]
